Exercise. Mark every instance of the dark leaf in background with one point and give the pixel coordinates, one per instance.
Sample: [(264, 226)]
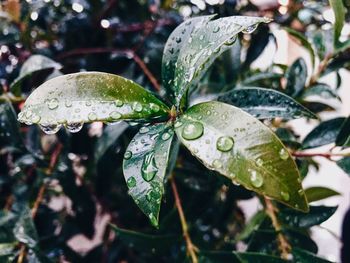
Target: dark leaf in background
[(344, 164), (322, 90), (24, 230), (343, 137), (296, 77), (317, 193), (234, 257), (304, 256)]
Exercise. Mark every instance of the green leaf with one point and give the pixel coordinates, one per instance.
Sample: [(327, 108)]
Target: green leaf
[(304, 42), (237, 257), (235, 144), (256, 78), (145, 165), (339, 14), (317, 193), (89, 96), (7, 249), (344, 164), (316, 216), (177, 39), (326, 132), (296, 77), (146, 242), (322, 90), (265, 103), (108, 138), (34, 64), (303, 256), (343, 137), (252, 225), (205, 44), (24, 229)]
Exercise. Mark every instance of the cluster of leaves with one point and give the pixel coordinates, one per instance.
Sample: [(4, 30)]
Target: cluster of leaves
[(55, 187)]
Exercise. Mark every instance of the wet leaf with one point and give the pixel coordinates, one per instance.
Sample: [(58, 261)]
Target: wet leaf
[(344, 164), (303, 256), (304, 42), (145, 165), (316, 216), (87, 97), (206, 43), (24, 229), (33, 64), (326, 132), (339, 14), (237, 257), (235, 144), (343, 137), (319, 193), (265, 103), (145, 242), (296, 77), (321, 90)]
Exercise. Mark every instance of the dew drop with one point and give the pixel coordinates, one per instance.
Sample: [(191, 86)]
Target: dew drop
[(285, 196), (118, 103), (127, 155), (192, 131), (230, 41), (259, 162), (115, 115), (149, 168), (301, 192), (216, 29), (68, 103), (52, 104), (35, 118), (283, 154), (131, 182), (256, 179), (153, 220), (154, 107), (178, 39), (50, 128), (217, 164), (178, 124), (250, 29), (74, 127), (224, 143), (88, 103), (166, 136), (137, 106), (232, 175), (144, 129), (92, 116)]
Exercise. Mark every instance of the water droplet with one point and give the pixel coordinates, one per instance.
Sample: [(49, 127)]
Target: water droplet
[(35, 118), (216, 29), (115, 115), (224, 143), (52, 104), (178, 124), (259, 162), (217, 164), (166, 136), (92, 116), (50, 128), (68, 103), (283, 154), (153, 220), (149, 168), (250, 29), (74, 127), (301, 192), (178, 39), (230, 41), (131, 182), (232, 175), (88, 103), (118, 103), (192, 130), (154, 107), (137, 106), (127, 155), (144, 129), (256, 179), (285, 196)]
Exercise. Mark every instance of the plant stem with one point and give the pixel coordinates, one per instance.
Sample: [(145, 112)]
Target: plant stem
[(283, 244), (327, 155), (191, 248)]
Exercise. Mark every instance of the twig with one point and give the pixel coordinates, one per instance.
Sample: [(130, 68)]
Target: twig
[(322, 67), (283, 244), (327, 155), (191, 248), (147, 72)]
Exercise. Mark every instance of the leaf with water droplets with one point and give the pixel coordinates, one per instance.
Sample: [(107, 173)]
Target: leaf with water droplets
[(145, 165), (83, 97), (257, 160), (265, 103), (34, 64), (207, 42)]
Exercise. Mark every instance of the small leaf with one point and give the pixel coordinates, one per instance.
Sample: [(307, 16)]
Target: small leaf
[(319, 193), (33, 64), (304, 42), (343, 137), (252, 225), (235, 144), (344, 164), (86, 97), (146, 242), (322, 90), (339, 14), (24, 229), (145, 164), (303, 256), (326, 132), (316, 216), (296, 77), (265, 103), (205, 44), (258, 77)]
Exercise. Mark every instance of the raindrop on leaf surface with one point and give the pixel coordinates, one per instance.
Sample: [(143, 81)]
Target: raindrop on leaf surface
[(217, 164), (149, 168), (115, 115), (192, 130), (131, 182), (118, 103), (225, 143), (137, 106), (256, 179), (52, 104), (74, 127), (50, 128), (285, 196), (127, 155), (283, 154)]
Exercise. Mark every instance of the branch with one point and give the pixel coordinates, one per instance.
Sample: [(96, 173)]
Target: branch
[(283, 244), (191, 248), (327, 155)]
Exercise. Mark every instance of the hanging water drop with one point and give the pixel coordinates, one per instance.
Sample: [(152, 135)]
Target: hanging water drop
[(149, 168), (230, 41), (74, 127), (225, 143), (115, 115), (256, 179), (131, 182), (52, 104), (50, 128), (283, 154), (250, 29), (192, 130)]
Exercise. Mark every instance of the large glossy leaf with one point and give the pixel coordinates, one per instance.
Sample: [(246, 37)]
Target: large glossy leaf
[(265, 103), (177, 39), (343, 137), (339, 14), (145, 165), (326, 132), (303, 256), (90, 96), (296, 77), (237, 257), (317, 193), (344, 164), (205, 44), (33, 64), (235, 144), (316, 216)]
